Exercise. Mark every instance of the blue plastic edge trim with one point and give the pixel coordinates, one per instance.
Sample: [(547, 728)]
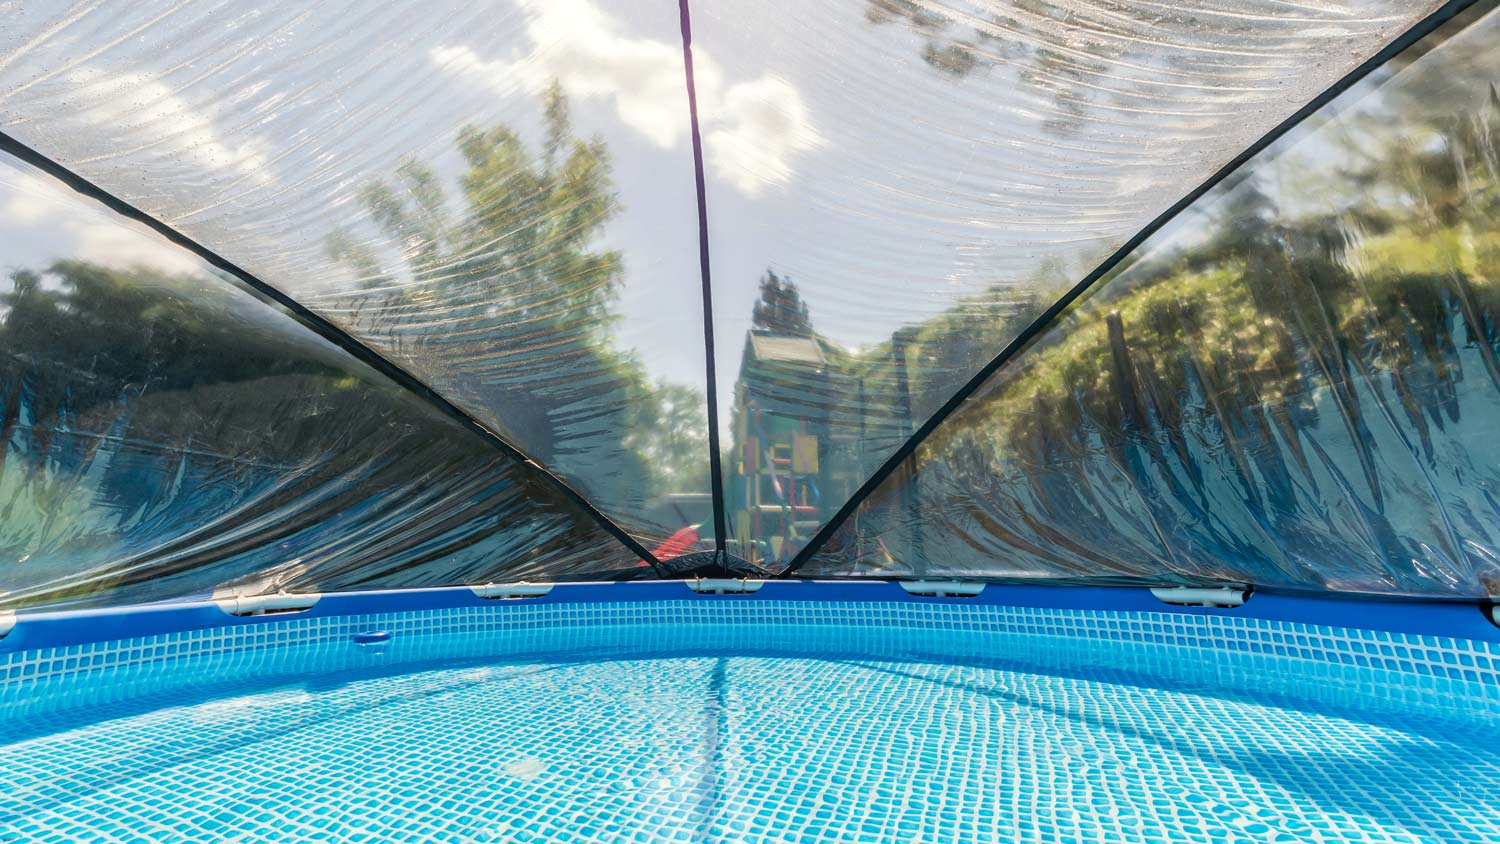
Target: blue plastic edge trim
[(44, 629)]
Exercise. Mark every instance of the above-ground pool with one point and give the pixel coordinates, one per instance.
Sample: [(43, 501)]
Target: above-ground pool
[(764, 719)]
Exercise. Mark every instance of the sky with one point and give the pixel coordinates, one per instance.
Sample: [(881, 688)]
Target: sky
[(888, 189)]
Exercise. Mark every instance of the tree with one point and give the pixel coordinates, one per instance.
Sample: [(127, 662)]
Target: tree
[(780, 308), (82, 334), (672, 436), (506, 297), (1247, 369)]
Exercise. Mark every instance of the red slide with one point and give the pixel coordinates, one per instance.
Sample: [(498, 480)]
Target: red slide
[(678, 543)]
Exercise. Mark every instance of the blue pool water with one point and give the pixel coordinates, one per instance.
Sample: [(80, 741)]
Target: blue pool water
[(687, 726)]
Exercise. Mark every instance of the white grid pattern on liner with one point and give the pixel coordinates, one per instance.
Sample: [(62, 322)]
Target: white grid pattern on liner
[(1336, 665), (826, 749)]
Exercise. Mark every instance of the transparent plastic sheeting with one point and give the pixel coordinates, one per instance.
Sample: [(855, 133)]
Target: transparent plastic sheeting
[(164, 432), (1295, 385), (497, 196), (929, 176)]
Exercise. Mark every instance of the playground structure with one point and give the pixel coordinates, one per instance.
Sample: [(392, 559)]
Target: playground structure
[(787, 462)]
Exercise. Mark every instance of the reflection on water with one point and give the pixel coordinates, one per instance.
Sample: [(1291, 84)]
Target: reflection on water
[(1296, 385)]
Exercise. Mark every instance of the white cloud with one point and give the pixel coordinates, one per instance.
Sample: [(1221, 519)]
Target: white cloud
[(760, 129), (145, 117), (49, 219), (752, 131)]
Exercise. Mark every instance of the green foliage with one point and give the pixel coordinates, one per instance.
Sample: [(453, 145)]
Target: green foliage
[(780, 308), (513, 273), (79, 334), (1377, 255), (123, 388)]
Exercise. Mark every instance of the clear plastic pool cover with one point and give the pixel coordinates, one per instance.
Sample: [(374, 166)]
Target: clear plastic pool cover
[(320, 296)]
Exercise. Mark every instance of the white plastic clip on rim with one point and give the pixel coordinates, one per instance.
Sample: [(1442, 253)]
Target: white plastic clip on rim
[(943, 588), (511, 591), (276, 602), (724, 586), (1187, 596)]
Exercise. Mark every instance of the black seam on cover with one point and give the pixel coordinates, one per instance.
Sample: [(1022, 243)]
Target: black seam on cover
[(323, 328), (1404, 41), (715, 469)]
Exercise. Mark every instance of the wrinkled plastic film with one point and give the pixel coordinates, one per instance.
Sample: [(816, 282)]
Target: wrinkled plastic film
[(896, 189), (1291, 386), (498, 197), (164, 433), (1296, 385)]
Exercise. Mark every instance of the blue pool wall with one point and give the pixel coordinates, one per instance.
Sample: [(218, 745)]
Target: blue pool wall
[(1437, 660), (1444, 619)]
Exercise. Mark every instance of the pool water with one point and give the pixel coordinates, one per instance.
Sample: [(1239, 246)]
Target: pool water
[(747, 744)]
